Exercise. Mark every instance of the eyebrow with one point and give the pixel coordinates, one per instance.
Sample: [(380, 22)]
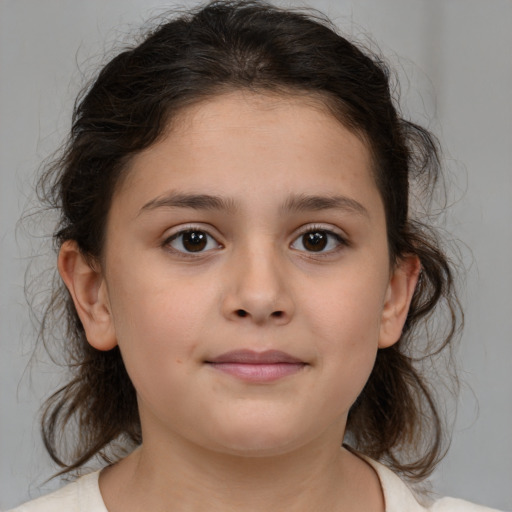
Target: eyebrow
[(308, 203), (194, 201), (294, 203)]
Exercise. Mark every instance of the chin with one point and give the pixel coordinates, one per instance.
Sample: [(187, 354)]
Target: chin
[(258, 448)]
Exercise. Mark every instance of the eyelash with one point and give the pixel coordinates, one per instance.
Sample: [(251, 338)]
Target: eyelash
[(338, 239), (189, 230)]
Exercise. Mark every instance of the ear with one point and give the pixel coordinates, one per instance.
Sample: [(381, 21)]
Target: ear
[(398, 299), (88, 290)]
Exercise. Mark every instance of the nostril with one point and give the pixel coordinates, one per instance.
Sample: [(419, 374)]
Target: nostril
[(242, 313)]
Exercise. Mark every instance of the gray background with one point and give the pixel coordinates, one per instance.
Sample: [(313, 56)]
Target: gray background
[(457, 56)]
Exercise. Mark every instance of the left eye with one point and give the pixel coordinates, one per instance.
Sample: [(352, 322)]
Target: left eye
[(192, 240), (317, 240)]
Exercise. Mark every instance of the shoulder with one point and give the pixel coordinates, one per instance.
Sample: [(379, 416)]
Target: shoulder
[(399, 497), (83, 495), (455, 505)]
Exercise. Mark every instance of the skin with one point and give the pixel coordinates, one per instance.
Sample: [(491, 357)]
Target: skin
[(214, 441)]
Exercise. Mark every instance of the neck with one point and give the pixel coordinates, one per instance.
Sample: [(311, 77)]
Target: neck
[(319, 476)]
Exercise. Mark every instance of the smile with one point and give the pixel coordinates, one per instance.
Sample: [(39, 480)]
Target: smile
[(253, 366)]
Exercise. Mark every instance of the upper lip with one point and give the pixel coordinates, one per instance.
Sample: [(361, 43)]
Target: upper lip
[(252, 357)]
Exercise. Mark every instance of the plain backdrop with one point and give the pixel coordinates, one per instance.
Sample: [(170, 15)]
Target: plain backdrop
[(455, 60)]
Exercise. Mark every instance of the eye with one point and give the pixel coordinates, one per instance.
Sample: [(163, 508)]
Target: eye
[(192, 240), (318, 240)]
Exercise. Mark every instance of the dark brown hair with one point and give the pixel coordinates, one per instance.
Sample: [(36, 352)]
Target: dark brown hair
[(220, 47)]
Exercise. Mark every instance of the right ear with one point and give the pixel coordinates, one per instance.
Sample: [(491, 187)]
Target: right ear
[(88, 290)]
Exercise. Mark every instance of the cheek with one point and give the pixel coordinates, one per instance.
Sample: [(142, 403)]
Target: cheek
[(157, 329), (347, 312), (158, 305), (345, 321)]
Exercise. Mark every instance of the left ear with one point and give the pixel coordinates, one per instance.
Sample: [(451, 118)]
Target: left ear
[(398, 299)]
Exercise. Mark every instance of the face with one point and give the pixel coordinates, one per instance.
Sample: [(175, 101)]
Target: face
[(246, 276)]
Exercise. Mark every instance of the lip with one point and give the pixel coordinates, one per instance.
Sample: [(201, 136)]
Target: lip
[(252, 366)]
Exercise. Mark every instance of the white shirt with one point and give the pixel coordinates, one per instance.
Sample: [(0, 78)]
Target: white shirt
[(84, 495)]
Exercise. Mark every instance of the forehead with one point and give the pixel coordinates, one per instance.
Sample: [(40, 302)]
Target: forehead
[(286, 141), (302, 114)]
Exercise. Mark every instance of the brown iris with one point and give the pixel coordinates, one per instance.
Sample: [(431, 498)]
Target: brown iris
[(194, 241), (315, 240)]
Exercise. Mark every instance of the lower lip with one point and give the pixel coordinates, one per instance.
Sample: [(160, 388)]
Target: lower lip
[(259, 372)]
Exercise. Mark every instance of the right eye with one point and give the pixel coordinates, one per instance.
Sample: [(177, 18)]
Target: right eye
[(192, 241)]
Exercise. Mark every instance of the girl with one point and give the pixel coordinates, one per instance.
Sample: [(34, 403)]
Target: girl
[(245, 284)]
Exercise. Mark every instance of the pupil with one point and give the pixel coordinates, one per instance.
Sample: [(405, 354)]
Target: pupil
[(194, 241), (315, 241)]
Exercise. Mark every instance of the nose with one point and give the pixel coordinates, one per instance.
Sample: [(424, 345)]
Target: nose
[(258, 289)]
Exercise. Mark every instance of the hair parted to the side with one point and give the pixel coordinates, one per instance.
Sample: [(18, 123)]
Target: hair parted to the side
[(220, 47)]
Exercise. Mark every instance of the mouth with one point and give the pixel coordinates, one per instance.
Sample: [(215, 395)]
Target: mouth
[(254, 366)]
